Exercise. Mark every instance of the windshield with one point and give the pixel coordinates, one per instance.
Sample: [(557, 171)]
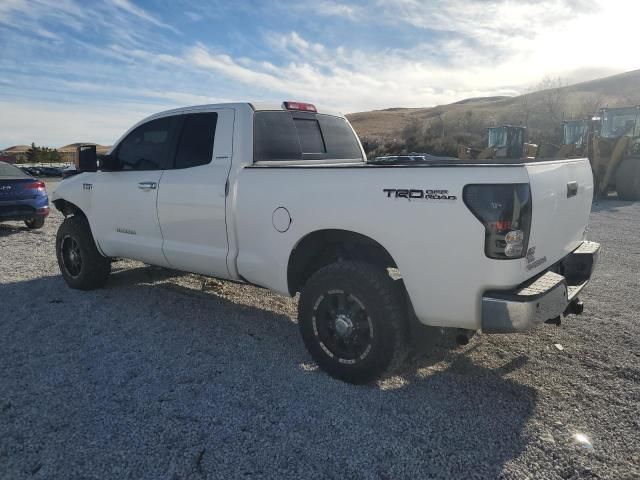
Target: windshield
[(575, 133), (619, 123), (497, 137)]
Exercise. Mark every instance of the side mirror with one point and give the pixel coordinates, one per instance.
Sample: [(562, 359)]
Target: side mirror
[(109, 163), (86, 159)]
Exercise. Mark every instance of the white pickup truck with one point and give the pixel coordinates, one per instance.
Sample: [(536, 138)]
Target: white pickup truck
[(282, 196)]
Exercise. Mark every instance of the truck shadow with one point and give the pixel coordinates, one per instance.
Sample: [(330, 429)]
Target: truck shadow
[(222, 386)]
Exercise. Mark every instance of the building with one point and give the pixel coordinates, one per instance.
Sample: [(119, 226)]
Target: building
[(7, 158)]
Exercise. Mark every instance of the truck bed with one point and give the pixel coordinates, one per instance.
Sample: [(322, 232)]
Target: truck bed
[(442, 162)]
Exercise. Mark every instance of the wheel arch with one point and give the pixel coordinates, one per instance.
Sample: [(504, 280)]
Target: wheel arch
[(68, 208), (323, 247)]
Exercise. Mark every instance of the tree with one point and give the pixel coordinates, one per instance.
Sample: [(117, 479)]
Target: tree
[(54, 156), (32, 153), (553, 94), (525, 105)]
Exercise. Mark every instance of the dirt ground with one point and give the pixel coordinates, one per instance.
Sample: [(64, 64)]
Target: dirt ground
[(163, 375)]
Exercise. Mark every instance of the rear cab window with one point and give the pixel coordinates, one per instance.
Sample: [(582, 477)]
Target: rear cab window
[(297, 135)]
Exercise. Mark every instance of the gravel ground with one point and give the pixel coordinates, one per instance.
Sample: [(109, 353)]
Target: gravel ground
[(163, 375)]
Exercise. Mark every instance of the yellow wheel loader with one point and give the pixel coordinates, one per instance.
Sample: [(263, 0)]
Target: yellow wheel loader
[(576, 138), (506, 141), (616, 152)]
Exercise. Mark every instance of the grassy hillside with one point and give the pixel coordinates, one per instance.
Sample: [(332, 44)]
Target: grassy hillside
[(439, 129)]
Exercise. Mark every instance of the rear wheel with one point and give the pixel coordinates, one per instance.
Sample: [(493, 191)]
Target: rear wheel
[(628, 179), (352, 317), (34, 223), (81, 264)]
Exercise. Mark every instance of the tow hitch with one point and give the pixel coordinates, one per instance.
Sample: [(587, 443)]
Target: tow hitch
[(575, 307)]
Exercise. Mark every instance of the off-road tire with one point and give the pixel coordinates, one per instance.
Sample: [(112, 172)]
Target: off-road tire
[(94, 269), (384, 302), (628, 179), (34, 223)]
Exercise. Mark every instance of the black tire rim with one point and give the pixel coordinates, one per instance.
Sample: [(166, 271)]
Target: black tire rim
[(342, 326), (71, 256)]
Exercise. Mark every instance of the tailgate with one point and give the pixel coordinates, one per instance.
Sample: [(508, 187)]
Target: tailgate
[(561, 193)]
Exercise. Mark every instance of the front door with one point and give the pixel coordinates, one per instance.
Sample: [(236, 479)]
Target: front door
[(192, 195), (124, 205)]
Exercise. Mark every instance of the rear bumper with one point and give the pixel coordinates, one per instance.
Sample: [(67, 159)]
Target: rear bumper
[(22, 211), (542, 298)]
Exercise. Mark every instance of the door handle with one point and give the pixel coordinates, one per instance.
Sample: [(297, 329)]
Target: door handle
[(572, 189), (147, 185)]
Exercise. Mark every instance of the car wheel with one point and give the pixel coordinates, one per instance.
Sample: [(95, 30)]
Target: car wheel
[(82, 266), (353, 321), (34, 223)]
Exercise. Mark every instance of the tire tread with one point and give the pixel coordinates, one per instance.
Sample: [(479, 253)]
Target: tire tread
[(95, 266), (391, 295)]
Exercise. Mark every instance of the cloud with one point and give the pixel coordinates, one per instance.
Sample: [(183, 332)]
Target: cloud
[(59, 124), (121, 57), (334, 9), (193, 16), (129, 7)]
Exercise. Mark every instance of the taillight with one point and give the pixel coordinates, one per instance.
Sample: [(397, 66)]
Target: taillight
[(505, 212), (37, 185), (305, 107)]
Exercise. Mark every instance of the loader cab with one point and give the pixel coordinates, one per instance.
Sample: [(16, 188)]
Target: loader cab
[(620, 122), (575, 132), (507, 141), (616, 152)]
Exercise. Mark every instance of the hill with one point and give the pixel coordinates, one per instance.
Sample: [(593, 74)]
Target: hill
[(16, 149), (100, 149), (439, 129)]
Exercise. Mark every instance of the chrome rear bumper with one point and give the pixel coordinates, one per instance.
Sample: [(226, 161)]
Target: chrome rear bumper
[(542, 298)]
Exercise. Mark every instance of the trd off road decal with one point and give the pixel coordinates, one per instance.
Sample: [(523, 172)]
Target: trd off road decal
[(416, 194)]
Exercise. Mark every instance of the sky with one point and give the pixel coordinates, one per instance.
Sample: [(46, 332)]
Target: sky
[(79, 70)]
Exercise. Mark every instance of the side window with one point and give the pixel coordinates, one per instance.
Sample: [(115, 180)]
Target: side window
[(148, 147), (195, 146)]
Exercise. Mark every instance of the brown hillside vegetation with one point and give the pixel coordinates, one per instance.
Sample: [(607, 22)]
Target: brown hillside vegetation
[(71, 148), (440, 129), (17, 149)]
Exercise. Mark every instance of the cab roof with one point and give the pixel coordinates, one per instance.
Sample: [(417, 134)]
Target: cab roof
[(255, 106)]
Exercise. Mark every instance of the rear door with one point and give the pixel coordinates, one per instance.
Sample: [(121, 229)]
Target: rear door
[(124, 217), (561, 192), (192, 194)]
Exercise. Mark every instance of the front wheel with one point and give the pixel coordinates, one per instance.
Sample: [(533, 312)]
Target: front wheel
[(352, 317), (34, 223), (82, 266)]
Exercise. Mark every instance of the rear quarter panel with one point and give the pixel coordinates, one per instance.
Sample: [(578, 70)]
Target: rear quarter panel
[(438, 245)]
